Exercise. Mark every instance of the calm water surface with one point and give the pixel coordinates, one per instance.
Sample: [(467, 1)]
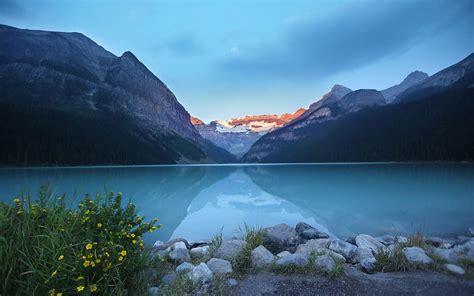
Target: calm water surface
[(195, 202)]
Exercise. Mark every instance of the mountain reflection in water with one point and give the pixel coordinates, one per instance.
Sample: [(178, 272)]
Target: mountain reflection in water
[(197, 202)]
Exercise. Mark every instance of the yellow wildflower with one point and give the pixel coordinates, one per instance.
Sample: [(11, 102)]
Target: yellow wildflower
[(80, 277), (59, 294), (123, 253), (54, 273), (97, 261), (61, 257), (120, 258), (92, 263), (132, 235), (134, 241), (89, 246), (93, 288), (86, 263), (99, 225), (80, 288)]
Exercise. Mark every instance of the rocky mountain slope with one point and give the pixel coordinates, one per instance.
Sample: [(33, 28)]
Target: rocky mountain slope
[(433, 123), (438, 81), (237, 135), (66, 100), (411, 80)]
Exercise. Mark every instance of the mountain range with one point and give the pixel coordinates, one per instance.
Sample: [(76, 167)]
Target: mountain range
[(423, 119), (65, 100), (68, 101), (237, 135)]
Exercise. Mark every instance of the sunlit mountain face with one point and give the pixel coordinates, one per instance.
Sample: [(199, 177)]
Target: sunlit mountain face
[(237, 135), (252, 123)]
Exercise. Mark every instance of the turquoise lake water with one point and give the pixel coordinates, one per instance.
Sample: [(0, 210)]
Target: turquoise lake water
[(197, 202)]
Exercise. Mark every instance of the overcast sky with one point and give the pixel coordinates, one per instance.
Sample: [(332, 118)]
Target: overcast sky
[(227, 58)]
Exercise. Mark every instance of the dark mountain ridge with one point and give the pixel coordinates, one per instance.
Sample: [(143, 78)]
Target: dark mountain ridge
[(433, 122), (66, 80)]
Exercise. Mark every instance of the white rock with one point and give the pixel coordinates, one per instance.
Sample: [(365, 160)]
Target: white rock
[(402, 239), (218, 265), (293, 259), (366, 259), (369, 242), (200, 251), (345, 249), (261, 257), (454, 269), (184, 267), (283, 254), (180, 255), (416, 255), (325, 263), (313, 245), (178, 245), (200, 273), (229, 249)]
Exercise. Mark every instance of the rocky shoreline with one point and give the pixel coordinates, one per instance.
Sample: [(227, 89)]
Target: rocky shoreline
[(304, 250)]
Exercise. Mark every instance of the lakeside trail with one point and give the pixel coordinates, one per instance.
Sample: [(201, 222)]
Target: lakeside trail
[(355, 282)]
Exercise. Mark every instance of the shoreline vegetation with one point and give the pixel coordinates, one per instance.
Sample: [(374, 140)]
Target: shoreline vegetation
[(49, 248)]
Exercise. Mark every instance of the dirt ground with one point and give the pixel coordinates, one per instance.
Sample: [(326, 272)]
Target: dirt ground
[(355, 282)]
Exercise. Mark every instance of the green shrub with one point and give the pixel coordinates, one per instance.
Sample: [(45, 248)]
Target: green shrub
[(47, 248)]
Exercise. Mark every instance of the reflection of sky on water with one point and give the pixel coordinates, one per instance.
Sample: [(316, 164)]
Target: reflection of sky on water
[(233, 201), (197, 201)]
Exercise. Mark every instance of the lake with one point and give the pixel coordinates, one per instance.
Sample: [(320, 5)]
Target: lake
[(199, 201)]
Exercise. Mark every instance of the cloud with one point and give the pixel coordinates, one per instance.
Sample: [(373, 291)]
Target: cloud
[(355, 35), (184, 45)]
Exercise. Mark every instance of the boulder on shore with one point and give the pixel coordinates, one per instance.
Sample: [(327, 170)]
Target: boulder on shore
[(313, 245), (261, 257), (220, 266), (416, 255), (369, 242), (344, 248), (180, 255), (366, 259), (280, 238), (229, 249), (325, 263), (200, 251), (454, 269), (293, 259), (306, 231), (200, 273)]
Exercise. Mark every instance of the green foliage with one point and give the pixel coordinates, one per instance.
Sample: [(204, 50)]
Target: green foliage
[(181, 285), (396, 261), (254, 238), (417, 240), (47, 248)]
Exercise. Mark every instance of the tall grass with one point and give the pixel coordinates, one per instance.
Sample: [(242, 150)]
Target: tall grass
[(47, 248), (254, 238)]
